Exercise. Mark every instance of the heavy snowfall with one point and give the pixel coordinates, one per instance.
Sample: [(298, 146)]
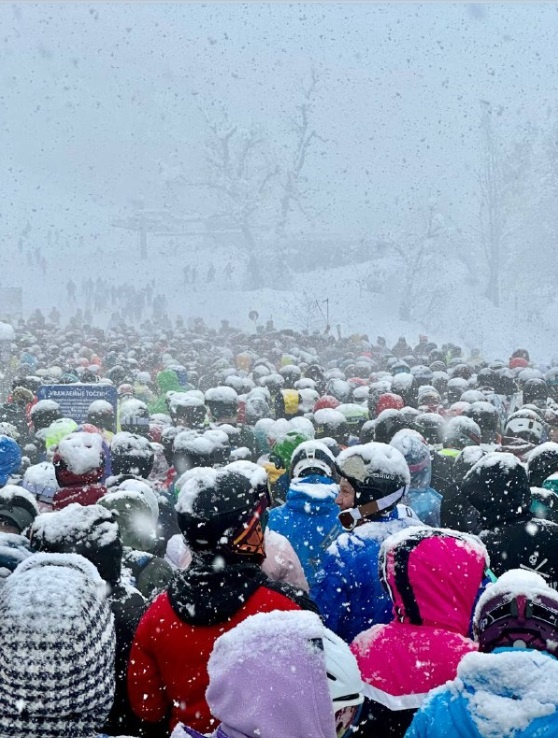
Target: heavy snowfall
[(279, 370)]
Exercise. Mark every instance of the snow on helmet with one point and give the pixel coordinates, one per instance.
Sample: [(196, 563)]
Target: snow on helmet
[(190, 450), (422, 374), (472, 395), (379, 475), (428, 397), (303, 425), (542, 462), (339, 388), (354, 414), (518, 611), (535, 392), (187, 408), (367, 431), (332, 424), (456, 387), (497, 485), (361, 394), (431, 428), (101, 413), (222, 444), (308, 399), (284, 448), (387, 425), (327, 401), (417, 455), (487, 418), (134, 417), (131, 454), (219, 511), (144, 489), (290, 373), (526, 425), (222, 402), (389, 401), (312, 457), (45, 412), (460, 432)]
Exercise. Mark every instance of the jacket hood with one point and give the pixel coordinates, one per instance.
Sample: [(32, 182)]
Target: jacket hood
[(167, 381), (67, 478), (433, 576), (498, 487), (314, 495), (292, 695), (506, 691), (211, 592)]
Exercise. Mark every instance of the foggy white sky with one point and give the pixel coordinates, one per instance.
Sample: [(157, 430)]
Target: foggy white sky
[(93, 97)]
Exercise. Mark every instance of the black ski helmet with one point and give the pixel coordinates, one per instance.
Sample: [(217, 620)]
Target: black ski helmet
[(218, 512)]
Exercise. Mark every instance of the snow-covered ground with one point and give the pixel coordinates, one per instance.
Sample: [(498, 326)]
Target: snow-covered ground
[(350, 296)]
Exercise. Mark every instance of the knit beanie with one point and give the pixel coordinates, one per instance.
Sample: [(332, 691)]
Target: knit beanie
[(57, 655)]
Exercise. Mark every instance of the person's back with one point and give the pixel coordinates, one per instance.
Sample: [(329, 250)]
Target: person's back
[(307, 681), (509, 688), (219, 514), (421, 497), (79, 464), (497, 486), (309, 517), (433, 577)]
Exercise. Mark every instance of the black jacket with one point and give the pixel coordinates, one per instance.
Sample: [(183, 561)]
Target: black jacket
[(524, 543)]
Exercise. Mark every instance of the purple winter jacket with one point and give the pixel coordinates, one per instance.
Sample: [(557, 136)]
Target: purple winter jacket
[(269, 683)]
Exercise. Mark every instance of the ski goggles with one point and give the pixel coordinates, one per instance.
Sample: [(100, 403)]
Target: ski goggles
[(345, 718), (249, 539)]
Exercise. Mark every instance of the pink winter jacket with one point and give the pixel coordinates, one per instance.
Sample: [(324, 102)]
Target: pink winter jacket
[(433, 577)]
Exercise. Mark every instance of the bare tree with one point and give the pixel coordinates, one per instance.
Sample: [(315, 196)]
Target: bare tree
[(415, 249), (502, 178), (241, 173), (293, 183)]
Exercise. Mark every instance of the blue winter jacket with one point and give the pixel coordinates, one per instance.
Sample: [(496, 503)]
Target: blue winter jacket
[(426, 503), (10, 458), (347, 589), (508, 693), (309, 520)]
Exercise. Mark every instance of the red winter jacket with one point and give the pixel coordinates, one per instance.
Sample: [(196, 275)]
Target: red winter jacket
[(167, 672)]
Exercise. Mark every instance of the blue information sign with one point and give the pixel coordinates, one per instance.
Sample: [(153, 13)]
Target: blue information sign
[(75, 399)]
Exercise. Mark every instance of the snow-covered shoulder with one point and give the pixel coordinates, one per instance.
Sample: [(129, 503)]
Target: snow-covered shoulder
[(506, 691)]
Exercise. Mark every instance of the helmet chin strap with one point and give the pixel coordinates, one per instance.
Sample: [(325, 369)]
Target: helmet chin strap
[(356, 514), (376, 506)]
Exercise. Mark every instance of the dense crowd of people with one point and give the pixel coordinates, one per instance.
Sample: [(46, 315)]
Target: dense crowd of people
[(275, 535)]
